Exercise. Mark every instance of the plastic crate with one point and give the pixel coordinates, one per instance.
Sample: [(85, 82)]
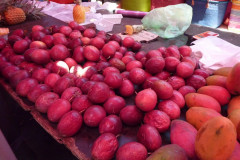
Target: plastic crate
[(164, 3), (208, 13)]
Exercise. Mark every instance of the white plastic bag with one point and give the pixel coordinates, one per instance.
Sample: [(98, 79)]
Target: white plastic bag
[(170, 21)]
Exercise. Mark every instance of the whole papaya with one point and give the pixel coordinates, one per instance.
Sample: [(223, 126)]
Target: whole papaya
[(233, 83), (202, 100), (216, 139)]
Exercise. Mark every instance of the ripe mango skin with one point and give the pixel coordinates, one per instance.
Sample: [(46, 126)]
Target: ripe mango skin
[(184, 134), (234, 116), (197, 116), (216, 139), (233, 80), (224, 71), (169, 152), (217, 80), (202, 100), (219, 93), (233, 104)]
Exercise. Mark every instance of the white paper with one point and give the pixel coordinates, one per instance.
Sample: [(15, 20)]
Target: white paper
[(214, 53)]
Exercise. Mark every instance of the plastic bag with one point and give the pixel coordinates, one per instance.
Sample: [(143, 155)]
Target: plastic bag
[(170, 21)]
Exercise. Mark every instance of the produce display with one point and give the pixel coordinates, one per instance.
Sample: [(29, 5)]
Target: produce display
[(79, 76)]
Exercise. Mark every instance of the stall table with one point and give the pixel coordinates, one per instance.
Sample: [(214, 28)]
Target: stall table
[(80, 144)]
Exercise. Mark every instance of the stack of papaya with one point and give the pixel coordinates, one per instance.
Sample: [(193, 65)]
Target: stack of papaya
[(212, 127)]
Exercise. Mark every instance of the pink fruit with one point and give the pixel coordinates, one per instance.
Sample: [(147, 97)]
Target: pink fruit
[(85, 87), (115, 44), (37, 28), (71, 93), (25, 86), (110, 124), (149, 137), (9, 70), (128, 42), (113, 80), (18, 76), (51, 79), (81, 103), (117, 63), (40, 56), (20, 46), (137, 75), (78, 54), (94, 115), (73, 24), (48, 40), (3, 43), (158, 119), (104, 147), (196, 81), (57, 109), (36, 91), (133, 64), (89, 32), (37, 35), (170, 108), (136, 46), (155, 65), (13, 38), (201, 72), (85, 40), (163, 89), (153, 53), (40, 74), (184, 69), (149, 82), (163, 51), (114, 105), (176, 82), (178, 99), (27, 54), (75, 34), (164, 75), (73, 43), (59, 52), (66, 30), (132, 151), (171, 63), (122, 50), (19, 32), (127, 88), (62, 84), (190, 60), (70, 123), (38, 44), (185, 51), (97, 77), (172, 51), (146, 100), (91, 53), (131, 115), (97, 42), (79, 81), (60, 67), (99, 92), (110, 69), (139, 55), (45, 100), (186, 89), (116, 37), (127, 58)]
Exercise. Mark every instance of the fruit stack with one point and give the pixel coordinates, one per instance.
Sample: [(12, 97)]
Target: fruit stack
[(76, 75)]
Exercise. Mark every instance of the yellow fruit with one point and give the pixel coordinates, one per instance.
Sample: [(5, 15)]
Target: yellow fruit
[(79, 13), (14, 15)]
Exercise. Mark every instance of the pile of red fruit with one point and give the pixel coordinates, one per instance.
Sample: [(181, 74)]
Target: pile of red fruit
[(77, 75)]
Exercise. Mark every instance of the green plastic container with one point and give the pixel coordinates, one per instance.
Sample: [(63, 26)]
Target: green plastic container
[(136, 5)]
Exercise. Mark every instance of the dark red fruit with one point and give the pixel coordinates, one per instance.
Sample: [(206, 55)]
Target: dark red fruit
[(37, 91), (81, 103), (70, 124), (131, 115), (196, 81), (114, 105), (137, 75), (176, 82), (158, 119), (127, 88), (146, 100), (170, 108), (57, 109), (132, 151), (155, 65), (104, 147), (113, 80), (110, 124), (149, 137), (94, 115), (71, 93), (26, 86), (163, 89), (99, 92), (45, 100)]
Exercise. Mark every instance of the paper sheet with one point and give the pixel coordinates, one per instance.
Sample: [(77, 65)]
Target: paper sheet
[(214, 53)]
